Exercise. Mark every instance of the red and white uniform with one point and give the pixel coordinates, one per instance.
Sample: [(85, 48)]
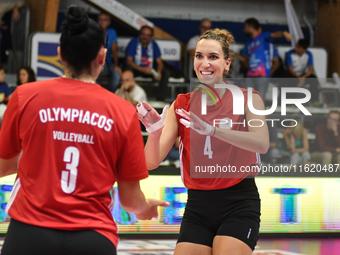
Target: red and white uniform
[(76, 139), (198, 153)]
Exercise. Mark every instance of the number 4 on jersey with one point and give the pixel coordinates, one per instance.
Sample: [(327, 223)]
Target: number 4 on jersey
[(207, 148), (69, 176)]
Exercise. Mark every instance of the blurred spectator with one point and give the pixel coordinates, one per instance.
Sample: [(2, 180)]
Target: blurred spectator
[(5, 91), (25, 75), (273, 151), (328, 140), (144, 57), (256, 55), (6, 7), (300, 65), (129, 90), (205, 25), (297, 144), (112, 51)]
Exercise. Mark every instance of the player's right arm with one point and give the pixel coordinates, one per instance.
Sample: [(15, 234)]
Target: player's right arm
[(161, 141), (9, 166), (133, 200)]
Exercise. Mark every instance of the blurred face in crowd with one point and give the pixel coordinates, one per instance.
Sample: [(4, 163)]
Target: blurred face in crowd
[(2, 75), (299, 50), (205, 26), (249, 30), (128, 80), (333, 120), (104, 21), (145, 36), (23, 76), (209, 60)]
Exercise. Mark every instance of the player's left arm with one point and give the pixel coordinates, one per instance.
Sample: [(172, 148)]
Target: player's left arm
[(257, 139), (9, 166)]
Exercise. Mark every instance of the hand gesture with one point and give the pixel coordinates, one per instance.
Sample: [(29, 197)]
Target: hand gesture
[(195, 123), (151, 209), (146, 70), (152, 120)]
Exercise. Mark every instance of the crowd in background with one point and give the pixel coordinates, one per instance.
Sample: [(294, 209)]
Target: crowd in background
[(259, 61)]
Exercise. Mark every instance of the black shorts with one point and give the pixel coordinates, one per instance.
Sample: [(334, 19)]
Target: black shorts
[(234, 212), (24, 239)]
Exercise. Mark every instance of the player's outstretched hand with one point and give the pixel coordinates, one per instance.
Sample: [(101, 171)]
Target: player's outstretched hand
[(150, 117), (191, 120), (151, 210)]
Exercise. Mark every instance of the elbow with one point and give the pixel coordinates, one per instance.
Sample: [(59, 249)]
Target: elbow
[(264, 147), (151, 165)]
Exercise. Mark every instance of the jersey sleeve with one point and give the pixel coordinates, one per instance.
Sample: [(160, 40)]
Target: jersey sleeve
[(8, 91), (289, 58), (156, 51), (131, 164), (9, 135), (266, 36), (131, 49), (275, 53), (310, 58), (113, 36), (244, 51)]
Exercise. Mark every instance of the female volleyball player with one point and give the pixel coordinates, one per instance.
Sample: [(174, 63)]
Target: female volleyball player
[(222, 214), (70, 140)]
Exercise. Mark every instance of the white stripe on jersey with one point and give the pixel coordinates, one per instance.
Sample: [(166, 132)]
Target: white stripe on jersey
[(180, 147), (16, 187), (258, 161)]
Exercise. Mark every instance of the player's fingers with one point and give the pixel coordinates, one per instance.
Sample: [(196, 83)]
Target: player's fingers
[(185, 122), (183, 113), (147, 106), (165, 110), (163, 203)]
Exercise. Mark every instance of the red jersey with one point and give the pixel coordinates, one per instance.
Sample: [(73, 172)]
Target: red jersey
[(208, 163), (76, 139)]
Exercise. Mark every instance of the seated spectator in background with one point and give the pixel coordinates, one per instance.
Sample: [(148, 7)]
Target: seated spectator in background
[(273, 151), (297, 144), (204, 26), (129, 90), (111, 62), (300, 65), (5, 91), (144, 57), (25, 75), (328, 141), (256, 55), (5, 7)]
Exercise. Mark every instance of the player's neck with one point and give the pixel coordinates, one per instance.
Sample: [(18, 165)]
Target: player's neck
[(85, 77)]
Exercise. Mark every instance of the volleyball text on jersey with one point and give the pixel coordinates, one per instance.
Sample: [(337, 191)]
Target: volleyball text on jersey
[(75, 115)]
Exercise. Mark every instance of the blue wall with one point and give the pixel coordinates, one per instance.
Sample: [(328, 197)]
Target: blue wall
[(185, 29)]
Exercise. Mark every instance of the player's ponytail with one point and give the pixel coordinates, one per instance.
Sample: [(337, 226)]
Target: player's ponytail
[(81, 39)]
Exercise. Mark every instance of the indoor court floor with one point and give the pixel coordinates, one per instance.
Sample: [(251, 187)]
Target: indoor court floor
[(291, 246)]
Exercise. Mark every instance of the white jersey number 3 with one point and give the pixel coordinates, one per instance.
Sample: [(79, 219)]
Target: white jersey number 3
[(69, 176)]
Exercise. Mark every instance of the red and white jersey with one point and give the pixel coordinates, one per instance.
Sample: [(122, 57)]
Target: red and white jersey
[(208, 163), (76, 139)]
